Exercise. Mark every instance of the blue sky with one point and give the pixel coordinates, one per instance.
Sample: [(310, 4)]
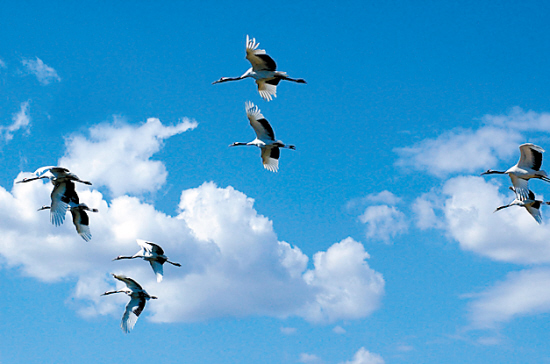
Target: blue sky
[(376, 241)]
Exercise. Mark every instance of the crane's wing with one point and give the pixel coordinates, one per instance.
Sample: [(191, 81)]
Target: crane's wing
[(259, 60), (43, 170), (81, 222), (59, 204), (151, 247), (270, 158), (521, 187), (158, 269), (131, 314), (130, 283), (531, 156), (259, 123), (534, 210), (59, 171), (268, 88), (145, 245)]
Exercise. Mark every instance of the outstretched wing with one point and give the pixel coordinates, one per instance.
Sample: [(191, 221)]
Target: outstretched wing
[(130, 283), (268, 88), (521, 187), (158, 269), (259, 60), (259, 123), (270, 158), (81, 222), (531, 156), (534, 210), (131, 314), (59, 204)]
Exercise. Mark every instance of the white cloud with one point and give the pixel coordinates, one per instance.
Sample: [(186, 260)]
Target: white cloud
[(424, 211), (339, 330), (2, 64), (21, 120), (474, 151), (363, 356), (510, 235), (384, 222), (523, 293), (232, 263), (289, 330), (309, 359), (118, 155), (44, 73), (347, 288)]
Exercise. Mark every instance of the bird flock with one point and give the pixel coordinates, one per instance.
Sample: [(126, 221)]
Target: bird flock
[(527, 167), (65, 198)]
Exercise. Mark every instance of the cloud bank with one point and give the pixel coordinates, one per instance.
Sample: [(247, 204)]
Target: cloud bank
[(462, 208), (233, 264)]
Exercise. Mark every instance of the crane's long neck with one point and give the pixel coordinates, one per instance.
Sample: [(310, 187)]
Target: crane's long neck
[(127, 257), (24, 180), (174, 263), (490, 171), (236, 144), (111, 292)]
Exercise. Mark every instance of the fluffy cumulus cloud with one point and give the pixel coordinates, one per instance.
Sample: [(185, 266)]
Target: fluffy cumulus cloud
[(344, 284), (383, 220), (44, 73), (363, 356), (522, 293), (510, 235), (20, 121), (233, 264), (118, 155)]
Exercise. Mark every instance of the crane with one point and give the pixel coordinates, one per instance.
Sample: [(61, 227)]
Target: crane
[(138, 298), (265, 138), (263, 70), (152, 253), (527, 167)]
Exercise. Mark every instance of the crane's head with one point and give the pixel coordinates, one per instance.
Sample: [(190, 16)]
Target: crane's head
[(223, 79)]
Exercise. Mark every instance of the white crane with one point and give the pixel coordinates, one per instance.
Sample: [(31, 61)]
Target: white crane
[(152, 253), (531, 205), (138, 298), (265, 138), (526, 168), (263, 70), (81, 220), (63, 194)]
